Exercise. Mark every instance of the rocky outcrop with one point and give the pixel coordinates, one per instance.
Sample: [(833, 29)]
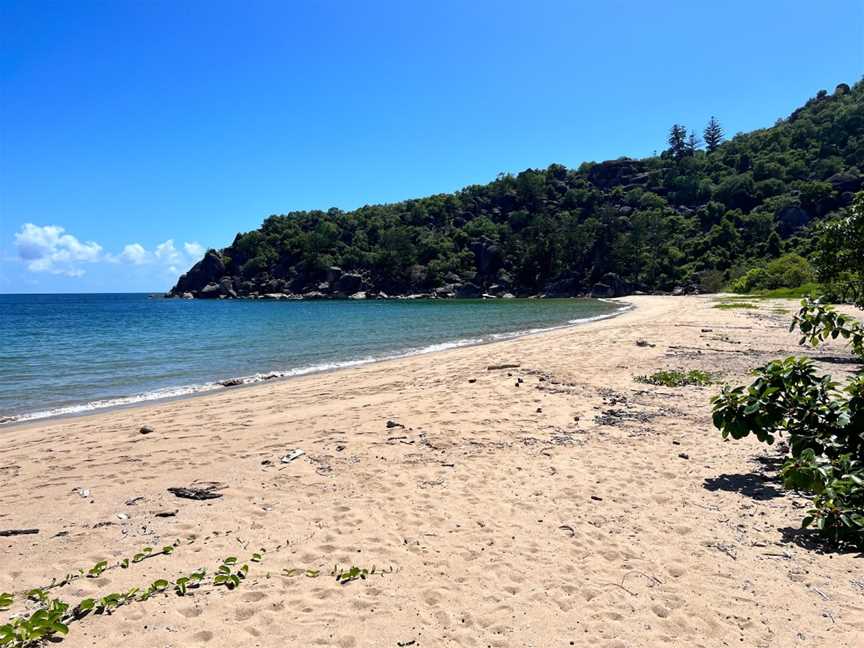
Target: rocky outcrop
[(208, 270), (611, 285), (624, 171), (566, 285)]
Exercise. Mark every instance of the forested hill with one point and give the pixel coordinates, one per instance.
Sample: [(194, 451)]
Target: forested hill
[(702, 212)]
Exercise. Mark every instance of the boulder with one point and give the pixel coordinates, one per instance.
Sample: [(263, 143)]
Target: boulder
[(615, 172), (468, 291), (564, 285), (358, 295), (488, 257), (846, 181), (333, 274), (349, 283), (611, 285), (210, 291), (208, 270), (226, 285), (791, 218)]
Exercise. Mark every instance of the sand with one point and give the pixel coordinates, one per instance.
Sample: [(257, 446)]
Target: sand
[(559, 503)]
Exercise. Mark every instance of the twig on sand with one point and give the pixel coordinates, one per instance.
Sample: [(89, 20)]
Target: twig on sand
[(16, 532), (654, 580)]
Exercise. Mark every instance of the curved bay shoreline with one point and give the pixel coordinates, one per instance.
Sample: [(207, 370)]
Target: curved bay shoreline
[(167, 394), (548, 506)]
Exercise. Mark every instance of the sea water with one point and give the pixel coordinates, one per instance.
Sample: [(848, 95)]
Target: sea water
[(66, 354)]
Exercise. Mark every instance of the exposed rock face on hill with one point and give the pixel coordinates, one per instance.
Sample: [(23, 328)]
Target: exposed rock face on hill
[(667, 223)]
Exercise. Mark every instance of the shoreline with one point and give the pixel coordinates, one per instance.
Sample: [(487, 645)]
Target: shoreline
[(235, 382), (594, 504)]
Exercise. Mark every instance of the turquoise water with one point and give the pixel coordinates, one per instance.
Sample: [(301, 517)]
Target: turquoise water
[(62, 354)]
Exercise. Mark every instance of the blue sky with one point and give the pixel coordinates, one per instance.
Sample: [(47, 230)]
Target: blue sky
[(134, 134)]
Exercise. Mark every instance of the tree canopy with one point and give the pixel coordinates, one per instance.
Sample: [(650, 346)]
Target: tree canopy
[(655, 223)]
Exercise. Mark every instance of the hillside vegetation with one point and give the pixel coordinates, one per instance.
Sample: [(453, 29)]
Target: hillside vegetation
[(694, 217)]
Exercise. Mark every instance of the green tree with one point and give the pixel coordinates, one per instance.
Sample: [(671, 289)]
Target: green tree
[(677, 141), (713, 135)]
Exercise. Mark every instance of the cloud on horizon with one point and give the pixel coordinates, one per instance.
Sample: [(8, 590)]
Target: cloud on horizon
[(49, 248)]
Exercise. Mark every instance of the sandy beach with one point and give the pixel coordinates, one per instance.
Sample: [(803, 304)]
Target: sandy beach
[(554, 503)]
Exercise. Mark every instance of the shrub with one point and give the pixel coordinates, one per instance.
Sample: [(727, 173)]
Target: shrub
[(675, 378), (789, 271), (822, 422)]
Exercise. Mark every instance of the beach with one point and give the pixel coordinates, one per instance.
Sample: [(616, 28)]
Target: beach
[(527, 492)]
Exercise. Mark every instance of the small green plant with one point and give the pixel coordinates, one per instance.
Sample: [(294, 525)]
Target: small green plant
[(731, 305), (676, 378), (183, 584), (228, 577), (345, 576), (42, 624), (6, 600), (97, 569)]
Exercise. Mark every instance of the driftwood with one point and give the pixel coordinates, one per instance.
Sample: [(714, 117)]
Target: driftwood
[(503, 366), (16, 532), (194, 493)]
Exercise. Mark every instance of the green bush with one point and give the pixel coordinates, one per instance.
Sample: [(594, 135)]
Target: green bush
[(788, 271), (822, 422), (676, 378)]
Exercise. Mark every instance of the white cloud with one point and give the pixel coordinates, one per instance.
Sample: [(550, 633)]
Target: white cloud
[(167, 253), (194, 250), (135, 254), (49, 249)]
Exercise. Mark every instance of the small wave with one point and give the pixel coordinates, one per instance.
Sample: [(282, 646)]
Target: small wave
[(189, 390)]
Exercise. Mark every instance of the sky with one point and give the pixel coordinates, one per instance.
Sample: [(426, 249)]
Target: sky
[(136, 134)]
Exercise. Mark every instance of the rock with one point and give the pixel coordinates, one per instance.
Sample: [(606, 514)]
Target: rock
[(314, 294), (231, 382), (615, 172), (146, 429), (334, 273), (394, 424), (208, 270), (188, 295), (358, 295), (611, 285), (488, 257), (508, 295), (472, 380), (644, 343), (349, 283), (791, 218), (683, 455), (166, 514), (846, 181), (564, 285), (468, 291), (194, 493), (210, 291), (226, 285), (514, 365)]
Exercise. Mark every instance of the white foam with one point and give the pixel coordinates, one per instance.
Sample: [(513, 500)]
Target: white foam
[(188, 390)]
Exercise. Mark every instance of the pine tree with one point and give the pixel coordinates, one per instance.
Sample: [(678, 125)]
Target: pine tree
[(677, 141), (713, 135), (693, 143)]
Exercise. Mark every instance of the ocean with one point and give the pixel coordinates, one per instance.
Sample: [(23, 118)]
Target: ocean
[(67, 354)]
